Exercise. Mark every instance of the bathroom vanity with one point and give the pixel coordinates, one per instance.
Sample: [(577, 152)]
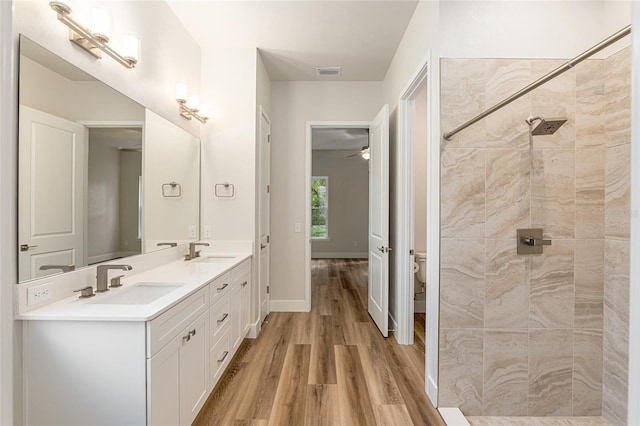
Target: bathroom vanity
[(147, 353)]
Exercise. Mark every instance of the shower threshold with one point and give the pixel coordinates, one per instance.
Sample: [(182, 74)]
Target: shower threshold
[(537, 421)]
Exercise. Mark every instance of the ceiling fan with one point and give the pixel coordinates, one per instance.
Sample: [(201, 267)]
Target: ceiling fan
[(364, 152)]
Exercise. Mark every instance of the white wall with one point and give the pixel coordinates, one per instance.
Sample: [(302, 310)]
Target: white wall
[(529, 29), (10, 365), (228, 143), (130, 172), (45, 90), (348, 204), (293, 104), (420, 171)]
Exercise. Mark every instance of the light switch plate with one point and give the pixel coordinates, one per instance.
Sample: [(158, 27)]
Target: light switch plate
[(192, 231), (298, 227), (206, 230)]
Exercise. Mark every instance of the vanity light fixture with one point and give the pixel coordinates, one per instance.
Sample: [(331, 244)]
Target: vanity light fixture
[(97, 41), (190, 108)]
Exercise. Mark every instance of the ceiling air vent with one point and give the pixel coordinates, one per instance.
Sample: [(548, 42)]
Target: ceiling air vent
[(324, 71)]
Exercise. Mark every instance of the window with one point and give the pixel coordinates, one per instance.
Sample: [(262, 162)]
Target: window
[(319, 207)]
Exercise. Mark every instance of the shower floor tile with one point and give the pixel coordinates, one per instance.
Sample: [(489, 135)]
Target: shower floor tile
[(536, 421)]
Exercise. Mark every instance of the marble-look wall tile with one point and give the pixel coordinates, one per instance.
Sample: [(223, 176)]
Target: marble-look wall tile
[(618, 98), (463, 193), (590, 164), (617, 192), (507, 192), (551, 301), (589, 284), (507, 128), (461, 355), (507, 286), (587, 373), (590, 97), (462, 90), (616, 290), (550, 372), (555, 99), (506, 372), (553, 192), (462, 280), (615, 379)]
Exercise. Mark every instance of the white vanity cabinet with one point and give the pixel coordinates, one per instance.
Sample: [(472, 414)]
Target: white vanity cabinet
[(177, 382), (109, 371)]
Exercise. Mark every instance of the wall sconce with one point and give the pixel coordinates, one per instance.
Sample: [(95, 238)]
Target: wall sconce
[(97, 41), (190, 108)]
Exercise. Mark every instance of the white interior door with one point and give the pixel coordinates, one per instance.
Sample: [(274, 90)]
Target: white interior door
[(379, 220), (265, 202), (52, 157)]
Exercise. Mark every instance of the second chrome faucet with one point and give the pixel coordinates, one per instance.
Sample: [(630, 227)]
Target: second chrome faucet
[(103, 275)]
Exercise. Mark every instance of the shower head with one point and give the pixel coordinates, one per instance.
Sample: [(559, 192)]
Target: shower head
[(547, 126)]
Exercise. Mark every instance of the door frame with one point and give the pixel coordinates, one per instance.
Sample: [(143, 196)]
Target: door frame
[(257, 326), (426, 73), (307, 197)]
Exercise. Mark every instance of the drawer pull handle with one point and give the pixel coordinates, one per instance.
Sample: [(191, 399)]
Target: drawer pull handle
[(224, 356), (244, 284), (225, 285), (189, 335), (224, 317)]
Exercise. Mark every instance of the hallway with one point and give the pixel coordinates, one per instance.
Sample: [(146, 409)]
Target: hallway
[(327, 367)]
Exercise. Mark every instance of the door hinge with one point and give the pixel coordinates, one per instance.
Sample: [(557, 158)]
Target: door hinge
[(268, 138), (268, 239), (411, 252), (268, 188), (267, 289)]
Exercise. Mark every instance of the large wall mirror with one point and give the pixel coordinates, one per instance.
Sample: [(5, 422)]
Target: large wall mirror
[(100, 177)]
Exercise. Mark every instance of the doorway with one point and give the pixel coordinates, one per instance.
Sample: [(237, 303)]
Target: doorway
[(377, 211)]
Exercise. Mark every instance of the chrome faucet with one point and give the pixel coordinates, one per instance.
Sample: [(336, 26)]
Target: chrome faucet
[(192, 250), (103, 275)]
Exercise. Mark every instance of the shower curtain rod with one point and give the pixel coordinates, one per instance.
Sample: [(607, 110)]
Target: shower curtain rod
[(539, 82)]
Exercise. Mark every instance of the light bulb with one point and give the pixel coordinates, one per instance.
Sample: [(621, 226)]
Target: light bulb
[(194, 102), (100, 24), (181, 91), (205, 110), (130, 47)]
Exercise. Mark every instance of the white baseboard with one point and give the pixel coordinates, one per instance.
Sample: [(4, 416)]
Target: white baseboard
[(339, 255), (254, 330), (287, 306), (393, 324), (452, 416)]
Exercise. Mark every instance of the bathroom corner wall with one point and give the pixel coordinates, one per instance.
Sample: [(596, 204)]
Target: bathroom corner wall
[(616, 227), (523, 334)]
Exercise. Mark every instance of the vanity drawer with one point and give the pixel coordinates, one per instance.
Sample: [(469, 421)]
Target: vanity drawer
[(161, 330), (220, 318), (219, 287), (240, 270), (219, 357)]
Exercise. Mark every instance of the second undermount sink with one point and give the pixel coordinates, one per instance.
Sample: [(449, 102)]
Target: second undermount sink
[(214, 259), (137, 294)]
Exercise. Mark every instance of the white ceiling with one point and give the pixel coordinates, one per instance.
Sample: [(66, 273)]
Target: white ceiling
[(350, 139), (117, 137), (295, 37)]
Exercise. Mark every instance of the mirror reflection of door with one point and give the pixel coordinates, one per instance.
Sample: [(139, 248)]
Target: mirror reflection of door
[(114, 193), (52, 156)]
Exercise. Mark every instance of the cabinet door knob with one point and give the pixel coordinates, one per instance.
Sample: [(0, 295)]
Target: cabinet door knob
[(244, 284)]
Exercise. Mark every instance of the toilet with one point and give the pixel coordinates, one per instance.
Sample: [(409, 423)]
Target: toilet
[(420, 269)]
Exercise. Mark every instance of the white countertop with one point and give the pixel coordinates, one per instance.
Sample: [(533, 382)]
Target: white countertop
[(192, 275)]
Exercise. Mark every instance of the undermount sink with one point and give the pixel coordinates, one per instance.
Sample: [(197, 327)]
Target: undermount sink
[(214, 259), (137, 294)]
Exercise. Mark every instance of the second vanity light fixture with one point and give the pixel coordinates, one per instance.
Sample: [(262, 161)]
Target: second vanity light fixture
[(190, 108), (96, 39)]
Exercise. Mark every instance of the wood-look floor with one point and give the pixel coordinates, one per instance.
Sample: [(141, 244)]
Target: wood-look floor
[(327, 367)]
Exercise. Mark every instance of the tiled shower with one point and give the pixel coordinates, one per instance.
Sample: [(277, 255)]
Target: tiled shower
[(546, 334)]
